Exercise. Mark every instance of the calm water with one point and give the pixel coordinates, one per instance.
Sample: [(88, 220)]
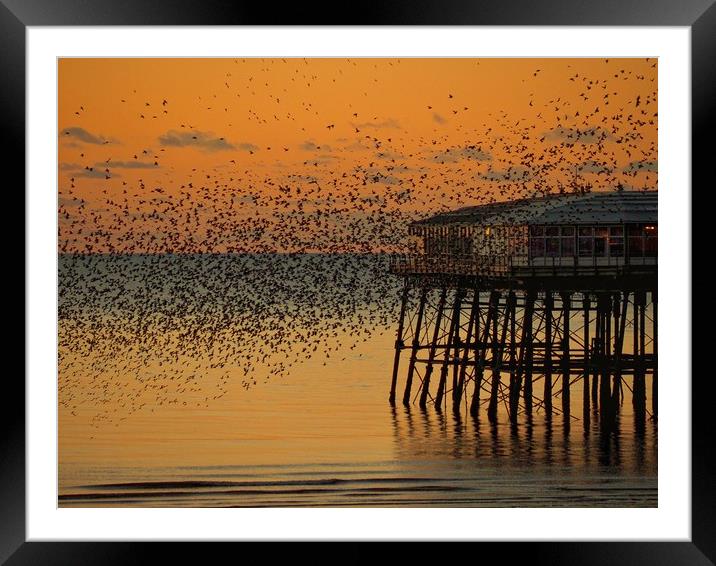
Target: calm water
[(263, 381)]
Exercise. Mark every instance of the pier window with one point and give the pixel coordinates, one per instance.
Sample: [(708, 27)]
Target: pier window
[(601, 237), (643, 240), (636, 241), (651, 246), (586, 241), (537, 241), (600, 241), (567, 241), (616, 241), (552, 241), (460, 241)]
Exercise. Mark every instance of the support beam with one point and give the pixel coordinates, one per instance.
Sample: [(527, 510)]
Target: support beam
[(497, 353), (515, 381), (416, 345), (620, 308), (586, 306), (521, 364), (481, 355), (467, 348), (597, 345), (566, 365), (425, 390), (548, 307), (605, 405), (639, 388), (528, 346), (453, 333), (399, 345), (655, 342), (477, 353)]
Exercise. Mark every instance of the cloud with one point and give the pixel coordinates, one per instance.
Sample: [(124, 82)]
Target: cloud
[(70, 166), (83, 135), (321, 159), (303, 178), (245, 146), (68, 201), (376, 175), (512, 173), (310, 145), (444, 157), (637, 166), (594, 134), (592, 166), (204, 141), (389, 123), (387, 179), (455, 154), (475, 152), (388, 155), (356, 146), (247, 199), (438, 118), (94, 174), (128, 165)]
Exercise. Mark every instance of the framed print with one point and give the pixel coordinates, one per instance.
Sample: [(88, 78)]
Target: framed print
[(395, 281)]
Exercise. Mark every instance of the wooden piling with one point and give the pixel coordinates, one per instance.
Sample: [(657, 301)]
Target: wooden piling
[(548, 307), (621, 304), (528, 345), (520, 369), (596, 355), (514, 390), (566, 339), (585, 372), (654, 349), (451, 339), (467, 348), (496, 357), (416, 345), (425, 391), (398, 344), (457, 347), (639, 394), (479, 353), (605, 405)]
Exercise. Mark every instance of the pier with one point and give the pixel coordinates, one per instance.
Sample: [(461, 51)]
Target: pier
[(520, 304)]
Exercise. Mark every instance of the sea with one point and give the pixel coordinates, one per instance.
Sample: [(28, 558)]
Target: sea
[(224, 380)]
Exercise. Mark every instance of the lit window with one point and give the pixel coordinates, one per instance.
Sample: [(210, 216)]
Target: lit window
[(586, 246)]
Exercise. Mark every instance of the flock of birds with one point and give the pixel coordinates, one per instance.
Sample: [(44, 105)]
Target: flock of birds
[(168, 287), (144, 331)]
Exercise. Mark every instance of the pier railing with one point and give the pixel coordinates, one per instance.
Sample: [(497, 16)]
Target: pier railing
[(518, 265), (404, 264)]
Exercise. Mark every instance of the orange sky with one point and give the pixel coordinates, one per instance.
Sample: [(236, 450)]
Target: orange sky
[(210, 155)]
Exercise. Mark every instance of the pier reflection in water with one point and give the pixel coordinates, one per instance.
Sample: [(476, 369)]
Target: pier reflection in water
[(537, 463)]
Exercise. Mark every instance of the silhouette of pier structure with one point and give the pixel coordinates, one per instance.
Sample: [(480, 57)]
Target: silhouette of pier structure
[(530, 303)]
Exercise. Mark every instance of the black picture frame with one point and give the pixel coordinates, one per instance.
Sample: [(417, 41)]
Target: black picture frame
[(699, 15)]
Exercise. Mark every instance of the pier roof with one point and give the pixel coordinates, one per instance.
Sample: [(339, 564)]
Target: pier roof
[(590, 208)]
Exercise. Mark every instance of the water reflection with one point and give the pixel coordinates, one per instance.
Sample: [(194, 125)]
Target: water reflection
[(626, 448)]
